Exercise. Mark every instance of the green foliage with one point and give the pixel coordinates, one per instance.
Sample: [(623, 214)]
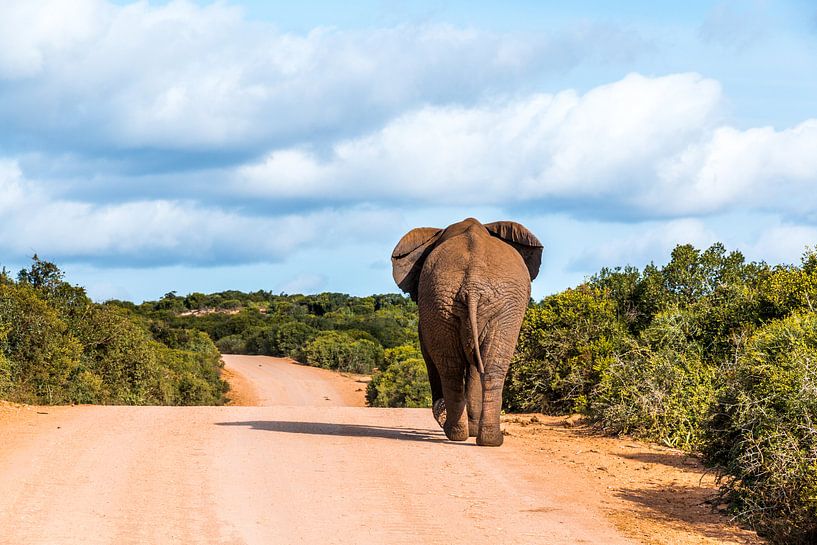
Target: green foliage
[(566, 344), (282, 325), (341, 351), (707, 352), (57, 346), (764, 434), (232, 344), (291, 339), (400, 353), (662, 391), (404, 383), (5, 376), (330, 330), (41, 352), (402, 380)]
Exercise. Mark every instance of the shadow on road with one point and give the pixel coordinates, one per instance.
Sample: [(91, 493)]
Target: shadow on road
[(349, 430)]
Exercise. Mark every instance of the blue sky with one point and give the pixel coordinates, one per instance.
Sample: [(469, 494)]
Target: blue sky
[(199, 146)]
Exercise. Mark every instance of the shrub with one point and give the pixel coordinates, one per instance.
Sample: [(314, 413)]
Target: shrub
[(86, 387), (664, 393), (57, 346), (126, 358), (400, 353), (232, 344), (291, 339), (336, 350), (5, 376), (259, 340), (764, 433), (41, 354), (195, 377), (566, 343), (403, 384)]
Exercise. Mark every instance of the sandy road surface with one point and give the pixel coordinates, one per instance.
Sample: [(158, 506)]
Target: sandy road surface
[(270, 381), (305, 469)]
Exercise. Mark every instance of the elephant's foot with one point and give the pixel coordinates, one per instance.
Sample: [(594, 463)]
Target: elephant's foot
[(438, 410), (456, 431), (473, 427), (490, 437)]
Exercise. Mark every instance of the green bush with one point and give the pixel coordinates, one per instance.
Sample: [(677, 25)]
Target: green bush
[(57, 346), (566, 343), (662, 393), (5, 374), (764, 431), (403, 384), (291, 339), (41, 353), (126, 358), (232, 344), (337, 350), (400, 353), (194, 377)]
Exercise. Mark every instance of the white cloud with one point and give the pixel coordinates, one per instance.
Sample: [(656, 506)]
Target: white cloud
[(32, 31), (645, 147), (179, 76), (12, 191), (761, 168), (163, 231)]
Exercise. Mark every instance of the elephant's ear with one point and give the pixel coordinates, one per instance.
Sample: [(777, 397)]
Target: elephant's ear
[(409, 255), (522, 240)]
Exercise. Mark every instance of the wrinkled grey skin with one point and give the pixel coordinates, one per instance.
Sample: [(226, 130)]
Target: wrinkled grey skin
[(471, 283)]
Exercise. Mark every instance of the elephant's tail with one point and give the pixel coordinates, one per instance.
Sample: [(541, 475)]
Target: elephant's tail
[(472, 318)]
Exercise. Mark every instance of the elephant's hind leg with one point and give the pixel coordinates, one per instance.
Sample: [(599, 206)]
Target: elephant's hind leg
[(456, 421), (437, 402), (473, 394), (497, 350), (441, 346)]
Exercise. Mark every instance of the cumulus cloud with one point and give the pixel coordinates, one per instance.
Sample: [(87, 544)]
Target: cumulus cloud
[(12, 190), (762, 168), (638, 148), (178, 76), (145, 233)]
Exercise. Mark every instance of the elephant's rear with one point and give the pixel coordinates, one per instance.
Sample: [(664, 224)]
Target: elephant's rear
[(475, 298)]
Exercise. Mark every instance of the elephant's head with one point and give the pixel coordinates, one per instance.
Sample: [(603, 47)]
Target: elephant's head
[(410, 253)]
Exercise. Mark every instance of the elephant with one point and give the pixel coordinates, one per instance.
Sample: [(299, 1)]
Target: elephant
[(471, 283)]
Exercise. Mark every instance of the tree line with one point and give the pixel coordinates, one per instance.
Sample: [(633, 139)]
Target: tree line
[(374, 335)]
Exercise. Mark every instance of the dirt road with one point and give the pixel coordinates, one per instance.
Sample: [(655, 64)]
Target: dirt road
[(310, 465)]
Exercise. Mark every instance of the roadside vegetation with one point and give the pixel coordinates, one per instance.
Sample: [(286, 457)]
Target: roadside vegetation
[(57, 346), (707, 353)]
